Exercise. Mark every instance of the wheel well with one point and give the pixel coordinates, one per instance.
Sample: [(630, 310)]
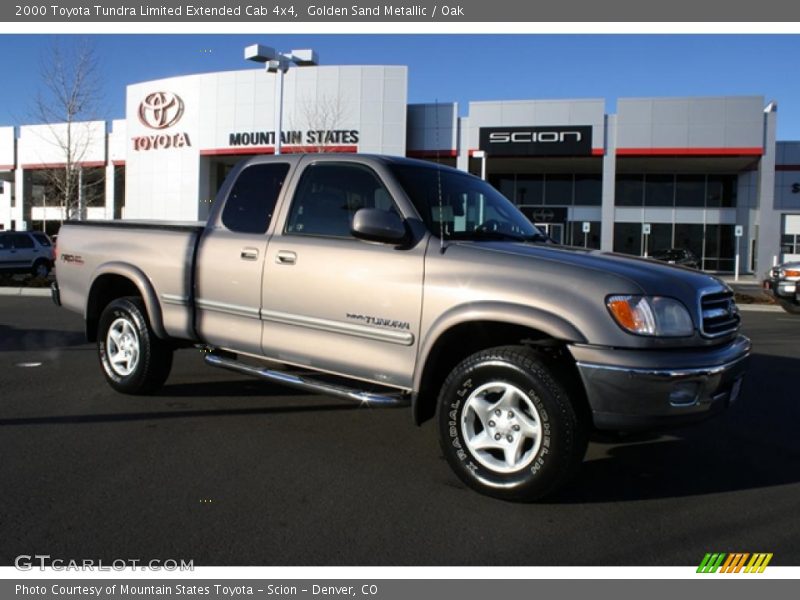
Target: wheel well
[(106, 289), (465, 339)]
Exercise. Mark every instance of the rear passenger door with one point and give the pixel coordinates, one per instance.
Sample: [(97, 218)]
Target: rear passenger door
[(24, 250), (230, 260), (331, 301)]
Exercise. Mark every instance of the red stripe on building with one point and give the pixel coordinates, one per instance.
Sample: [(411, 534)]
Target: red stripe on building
[(432, 153), (7, 167), (598, 151), (690, 151), (271, 150), (118, 163)]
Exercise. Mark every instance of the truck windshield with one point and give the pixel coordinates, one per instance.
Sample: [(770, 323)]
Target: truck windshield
[(461, 206)]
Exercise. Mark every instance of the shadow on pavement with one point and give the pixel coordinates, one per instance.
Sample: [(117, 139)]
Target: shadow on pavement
[(753, 445), (23, 340), (172, 414)]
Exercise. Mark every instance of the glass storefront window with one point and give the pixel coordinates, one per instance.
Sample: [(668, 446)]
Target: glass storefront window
[(690, 190), (629, 190), (659, 190), (588, 190), (660, 237), (689, 236), (558, 190), (528, 189), (721, 191), (628, 238), (578, 238)]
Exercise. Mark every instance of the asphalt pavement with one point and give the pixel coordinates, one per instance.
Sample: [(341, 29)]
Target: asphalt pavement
[(225, 470)]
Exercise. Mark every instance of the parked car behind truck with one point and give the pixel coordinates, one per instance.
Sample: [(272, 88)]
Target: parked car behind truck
[(26, 252), (393, 282)]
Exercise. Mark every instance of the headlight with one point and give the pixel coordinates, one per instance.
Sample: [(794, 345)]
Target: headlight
[(651, 315)]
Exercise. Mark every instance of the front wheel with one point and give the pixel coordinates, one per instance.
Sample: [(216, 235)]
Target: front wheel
[(507, 427), (790, 307), (134, 360)]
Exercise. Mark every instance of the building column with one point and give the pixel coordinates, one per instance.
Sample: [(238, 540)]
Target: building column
[(109, 184), (769, 222), (19, 198), (609, 185), (462, 160)]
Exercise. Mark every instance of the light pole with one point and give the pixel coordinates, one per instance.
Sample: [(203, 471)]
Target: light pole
[(481, 154), (279, 62)]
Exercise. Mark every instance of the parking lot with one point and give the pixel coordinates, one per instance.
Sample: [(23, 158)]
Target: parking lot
[(225, 470)]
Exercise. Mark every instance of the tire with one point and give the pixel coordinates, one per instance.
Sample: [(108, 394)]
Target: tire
[(133, 359), (41, 268), (508, 428), (790, 307)]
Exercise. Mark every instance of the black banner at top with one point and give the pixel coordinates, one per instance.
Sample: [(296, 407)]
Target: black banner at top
[(562, 140), (399, 11)]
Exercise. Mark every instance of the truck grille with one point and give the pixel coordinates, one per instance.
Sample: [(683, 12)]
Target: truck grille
[(720, 315)]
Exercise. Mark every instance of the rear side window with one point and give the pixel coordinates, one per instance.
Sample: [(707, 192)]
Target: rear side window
[(328, 196), (21, 241), (251, 201), (42, 239)]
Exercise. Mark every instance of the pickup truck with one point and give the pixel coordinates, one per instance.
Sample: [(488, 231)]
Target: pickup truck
[(396, 282)]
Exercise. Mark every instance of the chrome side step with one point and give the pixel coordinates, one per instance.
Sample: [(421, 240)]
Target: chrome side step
[(366, 398)]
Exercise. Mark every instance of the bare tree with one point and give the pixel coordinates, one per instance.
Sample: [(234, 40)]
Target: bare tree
[(322, 115), (68, 100)]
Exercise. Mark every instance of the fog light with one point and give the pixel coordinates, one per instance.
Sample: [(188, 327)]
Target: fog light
[(684, 394)]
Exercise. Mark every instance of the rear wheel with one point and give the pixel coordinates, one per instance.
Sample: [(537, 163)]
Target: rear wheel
[(134, 360), (41, 268), (507, 426)]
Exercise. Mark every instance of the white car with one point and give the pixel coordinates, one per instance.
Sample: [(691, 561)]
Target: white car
[(26, 252)]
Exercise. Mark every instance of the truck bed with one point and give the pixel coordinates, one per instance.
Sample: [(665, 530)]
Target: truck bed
[(157, 255)]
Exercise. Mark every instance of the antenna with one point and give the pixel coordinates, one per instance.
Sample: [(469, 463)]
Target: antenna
[(439, 180)]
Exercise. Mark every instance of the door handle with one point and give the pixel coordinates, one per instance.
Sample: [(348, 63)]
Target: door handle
[(285, 257), (249, 254)]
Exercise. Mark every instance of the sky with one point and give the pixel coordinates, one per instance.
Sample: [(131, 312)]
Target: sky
[(451, 67)]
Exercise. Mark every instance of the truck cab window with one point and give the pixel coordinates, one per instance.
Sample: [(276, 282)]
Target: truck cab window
[(252, 198), (328, 196)]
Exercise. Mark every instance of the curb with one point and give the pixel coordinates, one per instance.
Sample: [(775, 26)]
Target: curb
[(759, 308), (32, 292)]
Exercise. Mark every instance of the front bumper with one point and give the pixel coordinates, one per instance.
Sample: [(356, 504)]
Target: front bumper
[(634, 390), (781, 289)]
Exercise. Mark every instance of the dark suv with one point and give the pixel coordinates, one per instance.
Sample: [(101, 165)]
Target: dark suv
[(678, 256), (26, 252)]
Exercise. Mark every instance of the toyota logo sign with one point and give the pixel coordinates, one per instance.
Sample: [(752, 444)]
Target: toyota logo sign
[(160, 110), (543, 215)]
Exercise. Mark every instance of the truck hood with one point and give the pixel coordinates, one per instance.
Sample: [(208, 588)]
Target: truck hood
[(649, 276)]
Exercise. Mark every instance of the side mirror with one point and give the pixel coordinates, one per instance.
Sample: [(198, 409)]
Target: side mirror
[(376, 225)]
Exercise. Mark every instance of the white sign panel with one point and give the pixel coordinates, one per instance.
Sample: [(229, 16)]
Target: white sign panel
[(646, 228), (738, 231), (587, 227)]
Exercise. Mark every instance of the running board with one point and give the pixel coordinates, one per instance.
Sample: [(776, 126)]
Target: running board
[(366, 398)]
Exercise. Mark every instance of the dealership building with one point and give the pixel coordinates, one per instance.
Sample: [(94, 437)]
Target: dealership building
[(701, 173)]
